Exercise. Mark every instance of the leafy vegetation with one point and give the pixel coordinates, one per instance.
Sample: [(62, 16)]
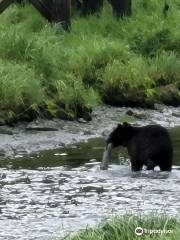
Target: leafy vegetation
[(46, 71), (123, 228)]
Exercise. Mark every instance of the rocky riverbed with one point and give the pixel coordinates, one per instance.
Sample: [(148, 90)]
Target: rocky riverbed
[(40, 135)]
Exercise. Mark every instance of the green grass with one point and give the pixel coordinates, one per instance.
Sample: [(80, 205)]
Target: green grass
[(48, 72), (123, 228)]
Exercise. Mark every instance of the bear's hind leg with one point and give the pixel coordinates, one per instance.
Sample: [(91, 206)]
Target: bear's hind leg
[(136, 165), (150, 164), (166, 168)]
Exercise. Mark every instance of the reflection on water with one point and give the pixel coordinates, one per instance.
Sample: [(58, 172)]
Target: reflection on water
[(58, 191), (80, 154)]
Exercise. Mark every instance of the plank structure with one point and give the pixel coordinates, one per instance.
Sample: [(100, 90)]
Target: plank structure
[(42, 8), (5, 4), (57, 11)]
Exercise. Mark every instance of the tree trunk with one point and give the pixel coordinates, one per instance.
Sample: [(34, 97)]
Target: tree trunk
[(76, 6), (61, 11), (121, 7), (47, 4)]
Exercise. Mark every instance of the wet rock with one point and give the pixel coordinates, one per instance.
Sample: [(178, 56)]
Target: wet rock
[(62, 114), (47, 180), (93, 160), (15, 192), (42, 125), (41, 129), (88, 132), (105, 133), (32, 202), (53, 205), (5, 130), (82, 120), (27, 180), (98, 189), (65, 212), (68, 197), (62, 180), (65, 175), (159, 107), (54, 190), (12, 217), (139, 115), (176, 114), (22, 207), (130, 112), (2, 176), (3, 202), (22, 180), (73, 201)]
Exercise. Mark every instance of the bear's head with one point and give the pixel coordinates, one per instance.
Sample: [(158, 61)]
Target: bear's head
[(120, 135)]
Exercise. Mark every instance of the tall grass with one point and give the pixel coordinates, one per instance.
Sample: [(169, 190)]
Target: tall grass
[(133, 61), (123, 228)]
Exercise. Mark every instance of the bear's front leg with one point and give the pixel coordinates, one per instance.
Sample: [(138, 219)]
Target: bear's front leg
[(136, 165), (150, 164)]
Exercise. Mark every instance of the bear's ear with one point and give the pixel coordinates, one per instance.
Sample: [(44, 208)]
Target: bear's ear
[(125, 124)]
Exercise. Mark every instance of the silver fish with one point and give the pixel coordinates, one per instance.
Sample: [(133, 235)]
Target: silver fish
[(106, 157)]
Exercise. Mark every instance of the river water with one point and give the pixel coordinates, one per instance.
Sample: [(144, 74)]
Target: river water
[(54, 192)]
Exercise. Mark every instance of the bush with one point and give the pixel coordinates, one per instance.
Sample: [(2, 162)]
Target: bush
[(20, 90), (123, 228), (121, 62)]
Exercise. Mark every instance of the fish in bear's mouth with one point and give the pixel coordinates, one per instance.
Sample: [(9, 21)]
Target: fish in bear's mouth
[(106, 156)]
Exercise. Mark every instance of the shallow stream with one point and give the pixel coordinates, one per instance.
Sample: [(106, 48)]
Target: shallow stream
[(51, 193), (46, 194)]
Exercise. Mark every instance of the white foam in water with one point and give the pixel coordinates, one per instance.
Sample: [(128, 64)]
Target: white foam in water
[(85, 194)]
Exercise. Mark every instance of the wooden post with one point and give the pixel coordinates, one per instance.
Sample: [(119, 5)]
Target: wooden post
[(121, 7), (57, 11), (42, 8), (76, 3), (19, 1), (61, 13), (91, 6), (5, 4)]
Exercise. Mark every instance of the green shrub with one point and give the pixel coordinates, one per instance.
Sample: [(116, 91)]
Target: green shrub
[(101, 59), (165, 68), (123, 228), (19, 87), (127, 83)]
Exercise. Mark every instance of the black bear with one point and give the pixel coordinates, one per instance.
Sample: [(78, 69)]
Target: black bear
[(149, 145)]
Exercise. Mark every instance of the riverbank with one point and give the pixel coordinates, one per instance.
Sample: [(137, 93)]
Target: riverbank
[(45, 72), (39, 135), (124, 227)]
